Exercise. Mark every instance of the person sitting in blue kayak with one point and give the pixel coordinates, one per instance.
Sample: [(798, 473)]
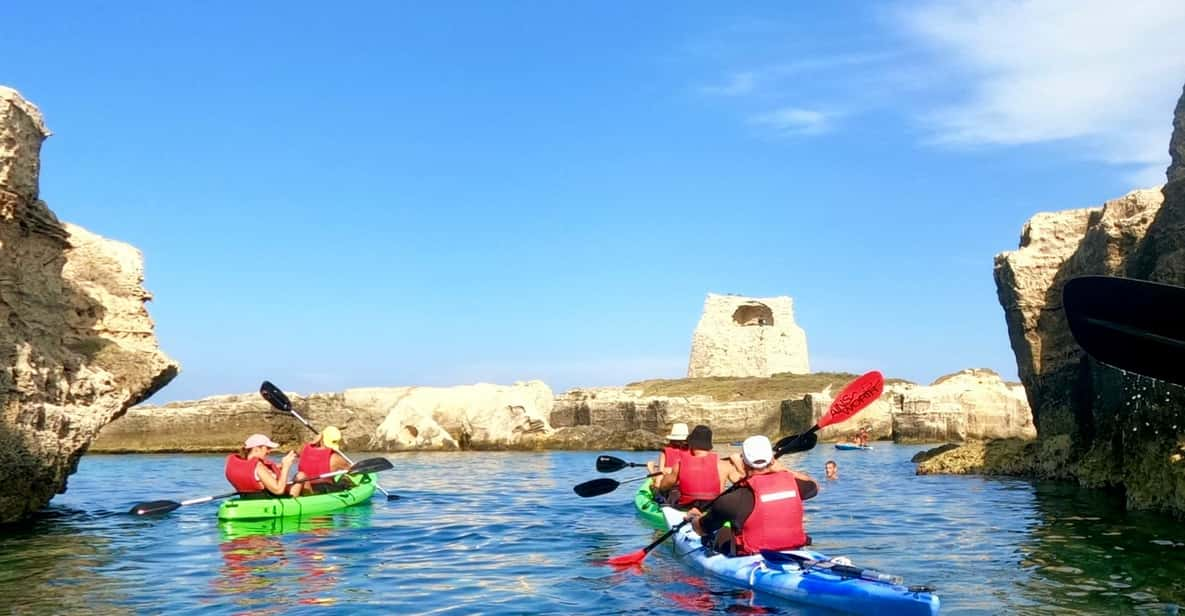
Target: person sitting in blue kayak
[(319, 457), (670, 455), (252, 473), (700, 475), (765, 513)]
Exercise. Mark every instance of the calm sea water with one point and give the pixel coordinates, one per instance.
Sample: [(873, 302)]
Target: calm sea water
[(504, 533)]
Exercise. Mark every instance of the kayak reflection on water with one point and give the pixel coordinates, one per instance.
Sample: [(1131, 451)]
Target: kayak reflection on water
[(271, 564)]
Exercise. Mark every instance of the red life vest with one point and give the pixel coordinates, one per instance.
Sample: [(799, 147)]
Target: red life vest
[(314, 460), (671, 455), (776, 521), (240, 472), (699, 478)]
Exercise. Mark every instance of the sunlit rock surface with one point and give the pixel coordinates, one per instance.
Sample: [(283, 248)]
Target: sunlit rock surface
[(77, 346)]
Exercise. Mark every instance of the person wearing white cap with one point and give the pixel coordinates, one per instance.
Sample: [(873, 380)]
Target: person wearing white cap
[(250, 472), (765, 513), (670, 455)]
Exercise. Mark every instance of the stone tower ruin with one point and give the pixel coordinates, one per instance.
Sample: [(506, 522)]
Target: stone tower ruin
[(747, 336)]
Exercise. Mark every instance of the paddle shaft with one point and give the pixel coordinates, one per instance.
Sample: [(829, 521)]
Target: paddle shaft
[(308, 425)]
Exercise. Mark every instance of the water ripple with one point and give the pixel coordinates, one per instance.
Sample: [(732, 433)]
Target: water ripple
[(502, 533)]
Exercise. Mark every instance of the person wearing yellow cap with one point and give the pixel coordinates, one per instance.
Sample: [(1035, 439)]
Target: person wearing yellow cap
[(322, 456)]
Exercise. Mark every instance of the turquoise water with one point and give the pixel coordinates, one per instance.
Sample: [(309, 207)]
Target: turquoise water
[(502, 533)]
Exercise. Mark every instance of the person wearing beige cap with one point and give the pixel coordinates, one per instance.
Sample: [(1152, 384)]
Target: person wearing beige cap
[(670, 455), (251, 472), (322, 456)]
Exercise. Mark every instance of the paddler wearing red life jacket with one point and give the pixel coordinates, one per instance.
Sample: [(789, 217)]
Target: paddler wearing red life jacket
[(322, 456), (767, 508), (674, 451), (250, 472), (700, 475)]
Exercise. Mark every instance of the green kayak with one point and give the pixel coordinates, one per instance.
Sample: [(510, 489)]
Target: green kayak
[(649, 508), (263, 508)]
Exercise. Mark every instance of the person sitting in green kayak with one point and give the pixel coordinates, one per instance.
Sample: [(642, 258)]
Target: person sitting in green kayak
[(322, 456), (252, 473), (765, 513), (674, 451), (700, 475)]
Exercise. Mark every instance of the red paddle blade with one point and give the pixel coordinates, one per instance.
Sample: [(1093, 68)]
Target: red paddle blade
[(857, 395), (627, 560)]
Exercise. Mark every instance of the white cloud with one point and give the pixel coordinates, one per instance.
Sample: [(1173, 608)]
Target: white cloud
[(739, 84), (1102, 73), (791, 121)]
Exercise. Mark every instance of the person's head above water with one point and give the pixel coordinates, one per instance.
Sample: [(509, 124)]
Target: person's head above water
[(832, 469)]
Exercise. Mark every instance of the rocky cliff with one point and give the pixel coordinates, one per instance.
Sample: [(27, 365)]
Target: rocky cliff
[(481, 416), (1176, 170), (1096, 424), (746, 336), (968, 405), (78, 346)]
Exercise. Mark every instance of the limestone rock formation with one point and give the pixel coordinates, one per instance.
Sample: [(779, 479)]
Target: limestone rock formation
[(969, 405), (78, 346), (479, 416), (482, 415), (746, 336), (1097, 424), (1176, 170), (626, 409)]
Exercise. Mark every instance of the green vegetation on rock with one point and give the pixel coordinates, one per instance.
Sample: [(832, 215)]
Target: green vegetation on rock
[(783, 386)]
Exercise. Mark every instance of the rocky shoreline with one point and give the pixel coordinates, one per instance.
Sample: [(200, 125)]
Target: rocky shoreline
[(972, 404)]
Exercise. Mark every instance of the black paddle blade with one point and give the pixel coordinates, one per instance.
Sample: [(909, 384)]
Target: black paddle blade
[(372, 465), (275, 397), (1133, 325), (154, 507), (796, 443), (610, 464), (596, 487)]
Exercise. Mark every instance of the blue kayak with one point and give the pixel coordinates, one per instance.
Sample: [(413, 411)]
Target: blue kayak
[(806, 577), (853, 447)]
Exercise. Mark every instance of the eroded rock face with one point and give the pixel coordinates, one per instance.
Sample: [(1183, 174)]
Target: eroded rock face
[(481, 416), (1176, 170), (77, 347), (1114, 429), (626, 409), (469, 416), (746, 336), (969, 405)]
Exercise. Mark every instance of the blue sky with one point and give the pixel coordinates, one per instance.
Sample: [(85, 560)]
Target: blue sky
[(445, 193)]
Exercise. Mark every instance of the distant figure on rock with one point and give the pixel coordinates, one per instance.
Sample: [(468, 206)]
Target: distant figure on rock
[(700, 475), (321, 456), (251, 473), (832, 470), (671, 454)]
